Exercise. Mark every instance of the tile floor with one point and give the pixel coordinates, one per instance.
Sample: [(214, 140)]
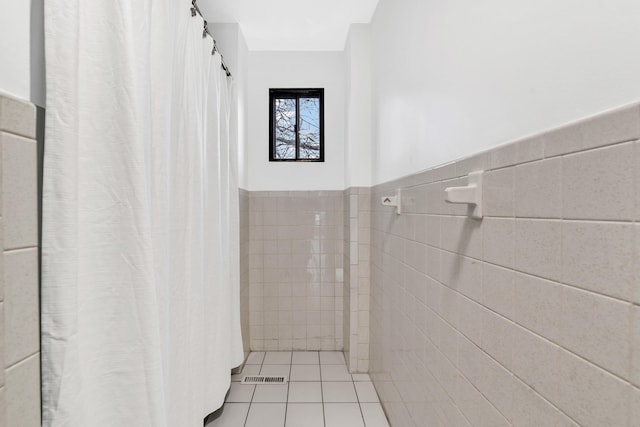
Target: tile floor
[(320, 393)]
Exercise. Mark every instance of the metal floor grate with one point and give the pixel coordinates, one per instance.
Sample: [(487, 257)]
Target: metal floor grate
[(263, 379)]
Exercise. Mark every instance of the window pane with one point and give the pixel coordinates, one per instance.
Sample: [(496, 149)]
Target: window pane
[(285, 128), (309, 128)]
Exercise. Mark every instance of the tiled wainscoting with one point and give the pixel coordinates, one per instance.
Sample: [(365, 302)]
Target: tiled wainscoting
[(19, 286), (530, 316), (295, 248), (357, 238), (243, 196)]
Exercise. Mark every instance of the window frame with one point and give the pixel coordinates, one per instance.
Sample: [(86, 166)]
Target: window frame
[(296, 94)]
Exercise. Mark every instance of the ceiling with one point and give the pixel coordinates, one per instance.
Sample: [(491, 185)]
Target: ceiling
[(291, 24)]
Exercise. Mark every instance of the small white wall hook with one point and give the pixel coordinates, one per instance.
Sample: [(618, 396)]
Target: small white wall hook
[(470, 194), (393, 201)]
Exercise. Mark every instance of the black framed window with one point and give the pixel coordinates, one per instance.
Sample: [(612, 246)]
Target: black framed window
[(296, 130)]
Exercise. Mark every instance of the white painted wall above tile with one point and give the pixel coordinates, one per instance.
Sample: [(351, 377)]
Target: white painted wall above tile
[(452, 79), (22, 50), (296, 70)]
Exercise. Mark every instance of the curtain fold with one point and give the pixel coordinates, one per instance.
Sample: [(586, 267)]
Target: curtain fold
[(140, 293)]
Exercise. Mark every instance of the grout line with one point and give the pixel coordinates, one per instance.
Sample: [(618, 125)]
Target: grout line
[(513, 269), (12, 132), (23, 360), (324, 418), (20, 249), (254, 393), (364, 422), (286, 403)]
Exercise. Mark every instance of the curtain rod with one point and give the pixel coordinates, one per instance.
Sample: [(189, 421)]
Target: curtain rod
[(195, 9)]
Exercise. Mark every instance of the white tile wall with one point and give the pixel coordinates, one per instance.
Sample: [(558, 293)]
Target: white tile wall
[(22, 324), (295, 247), (23, 393), (245, 287), (19, 286), (529, 317), (357, 255), (20, 204)]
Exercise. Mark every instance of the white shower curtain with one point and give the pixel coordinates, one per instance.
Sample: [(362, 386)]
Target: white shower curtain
[(140, 287)]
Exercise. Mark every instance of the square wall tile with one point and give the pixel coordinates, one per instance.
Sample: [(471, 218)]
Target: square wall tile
[(535, 362), (476, 407), (539, 247), (3, 407), (19, 191), (530, 149), (599, 256), (498, 289), (2, 345), (498, 337), (563, 140), (635, 405), (23, 393), (21, 306), (538, 305), (478, 162), (531, 409), (499, 241), (462, 235), (599, 184), (590, 395), (470, 319), (463, 275), (498, 192), (538, 189), (635, 354), (604, 129), (17, 116), (620, 125), (502, 156), (597, 328)]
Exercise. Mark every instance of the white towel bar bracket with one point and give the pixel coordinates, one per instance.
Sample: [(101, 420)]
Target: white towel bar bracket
[(470, 194), (393, 201)]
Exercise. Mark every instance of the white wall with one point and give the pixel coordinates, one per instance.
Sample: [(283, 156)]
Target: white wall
[(358, 139), (231, 43), (456, 77), (296, 70), (243, 110), (22, 49)]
